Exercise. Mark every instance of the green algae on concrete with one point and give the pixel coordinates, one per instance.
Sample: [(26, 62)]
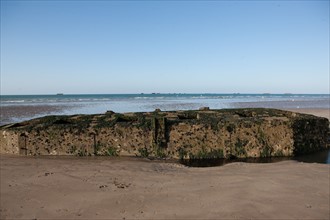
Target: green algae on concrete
[(194, 134)]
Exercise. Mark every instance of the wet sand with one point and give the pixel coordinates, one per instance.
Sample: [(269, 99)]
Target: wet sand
[(14, 113), (132, 188)]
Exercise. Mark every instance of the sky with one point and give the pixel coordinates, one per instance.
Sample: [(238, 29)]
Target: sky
[(105, 47)]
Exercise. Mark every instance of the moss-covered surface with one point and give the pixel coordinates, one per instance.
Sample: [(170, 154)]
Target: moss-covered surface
[(224, 133)]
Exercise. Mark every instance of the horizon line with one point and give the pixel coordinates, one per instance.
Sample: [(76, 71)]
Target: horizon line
[(168, 93)]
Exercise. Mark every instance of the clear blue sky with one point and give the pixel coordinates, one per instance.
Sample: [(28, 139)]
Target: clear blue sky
[(164, 46)]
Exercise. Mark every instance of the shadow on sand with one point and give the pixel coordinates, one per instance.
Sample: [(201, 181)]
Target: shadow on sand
[(318, 157)]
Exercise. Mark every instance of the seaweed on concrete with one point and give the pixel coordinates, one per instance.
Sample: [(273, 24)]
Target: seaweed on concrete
[(203, 153)]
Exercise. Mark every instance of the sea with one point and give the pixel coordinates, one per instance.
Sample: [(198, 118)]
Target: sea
[(70, 104), (17, 108)]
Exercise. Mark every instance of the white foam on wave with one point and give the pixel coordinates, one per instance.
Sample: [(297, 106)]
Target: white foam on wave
[(13, 101)]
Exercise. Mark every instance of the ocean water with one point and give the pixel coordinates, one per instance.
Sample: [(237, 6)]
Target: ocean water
[(16, 108), (100, 103)]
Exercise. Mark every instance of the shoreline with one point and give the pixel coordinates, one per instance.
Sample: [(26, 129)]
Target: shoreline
[(13, 114), (10, 113)]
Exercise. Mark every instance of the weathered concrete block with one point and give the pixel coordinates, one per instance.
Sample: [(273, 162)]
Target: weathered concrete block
[(205, 133)]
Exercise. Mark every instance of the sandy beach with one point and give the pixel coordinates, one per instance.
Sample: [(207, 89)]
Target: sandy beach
[(317, 112), (122, 188), (133, 188)]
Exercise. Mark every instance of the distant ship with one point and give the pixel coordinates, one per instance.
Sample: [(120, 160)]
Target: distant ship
[(59, 94)]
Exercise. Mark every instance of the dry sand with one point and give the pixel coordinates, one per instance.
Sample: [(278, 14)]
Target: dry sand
[(118, 188), (318, 112), (131, 188)]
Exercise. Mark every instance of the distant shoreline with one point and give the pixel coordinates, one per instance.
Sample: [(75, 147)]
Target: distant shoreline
[(18, 108), (166, 93)]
